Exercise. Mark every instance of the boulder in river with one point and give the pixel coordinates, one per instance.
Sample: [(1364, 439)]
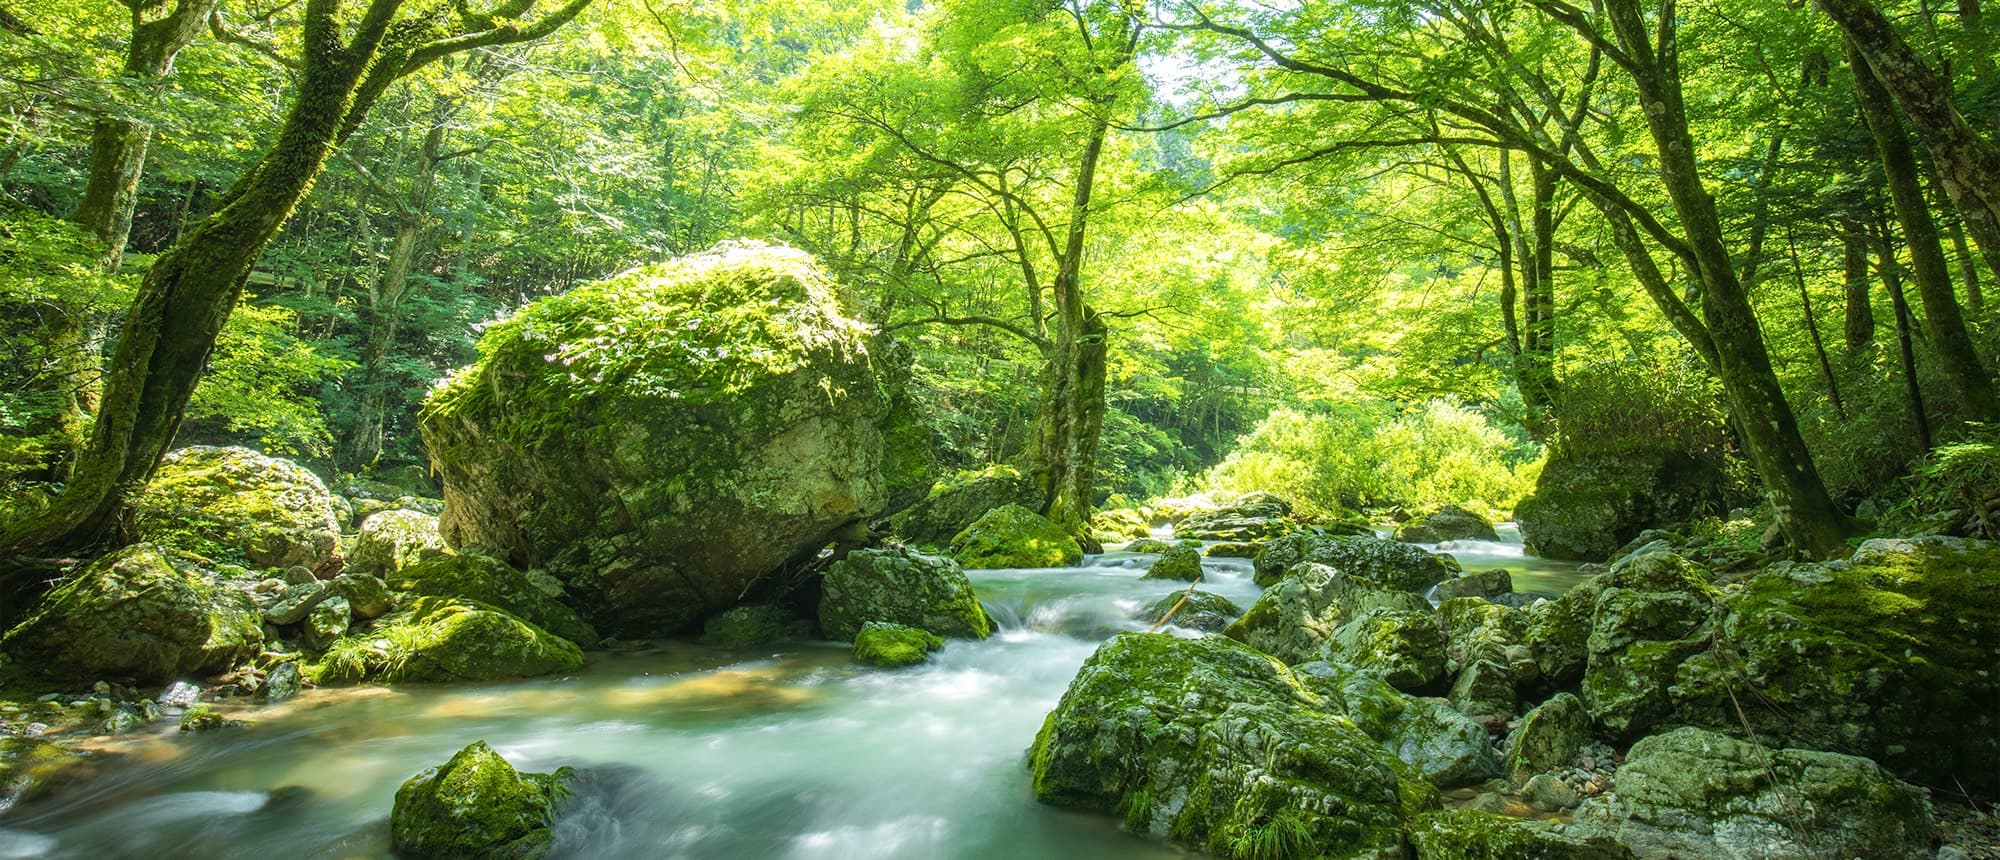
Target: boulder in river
[(1697, 794), (495, 583), (439, 639), (893, 645), (1181, 563), (752, 626), (1192, 610), (664, 439), (1253, 517), (477, 805), (1214, 745), (960, 500), (1296, 618), (139, 614), (900, 586), (1013, 536), (1586, 506), (1450, 522), (234, 504), (393, 540), (1390, 563)]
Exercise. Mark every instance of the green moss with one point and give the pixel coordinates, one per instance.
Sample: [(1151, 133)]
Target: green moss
[(1012, 536), (477, 805), (437, 639), (900, 586), (893, 645), (234, 504), (1464, 834), (30, 769), (137, 614), (1179, 563), (494, 582)]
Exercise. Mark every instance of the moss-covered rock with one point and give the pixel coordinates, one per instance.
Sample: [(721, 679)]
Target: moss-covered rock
[(960, 500), (439, 639), (1444, 746), (1155, 545), (752, 626), (1233, 549), (1179, 562), (892, 645), (1484, 584), (495, 583), (1694, 793), (1295, 618), (1894, 653), (1586, 506), (1119, 525), (1402, 646), (138, 614), (1013, 536), (1258, 516), (1651, 614), (665, 438), (328, 621), (477, 806), (1466, 834), (1192, 610), (1217, 746), (900, 586), (31, 768), (393, 540), (1450, 522), (1397, 565), (202, 718), (1549, 737), (234, 504)]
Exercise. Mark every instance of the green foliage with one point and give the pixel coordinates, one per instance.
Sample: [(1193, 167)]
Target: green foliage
[(1962, 477), (263, 380), (1620, 407)]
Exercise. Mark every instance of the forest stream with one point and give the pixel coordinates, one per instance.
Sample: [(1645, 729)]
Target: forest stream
[(688, 750)]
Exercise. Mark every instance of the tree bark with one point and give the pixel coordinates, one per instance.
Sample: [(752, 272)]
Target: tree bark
[(1906, 354), (1860, 327), (1812, 327), (1943, 320)]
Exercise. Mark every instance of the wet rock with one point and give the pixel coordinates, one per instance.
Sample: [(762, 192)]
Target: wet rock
[(392, 540), (137, 614), (1393, 564), (1465, 834), (1445, 747), (440, 639), (1197, 610), (900, 586), (1295, 619), (1013, 536), (1450, 522), (957, 502), (893, 645), (1695, 793), (704, 421), (1485, 584), (1180, 562), (283, 682), (235, 504), (180, 694), (752, 626), (30, 769), (1549, 793), (477, 805), (1214, 745), (204, 719), (1402, 646), (495, 583), (124, 720), (1550, 737)]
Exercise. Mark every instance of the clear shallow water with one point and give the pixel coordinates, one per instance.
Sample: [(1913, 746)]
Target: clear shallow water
[(694, 752), (1531, 575)]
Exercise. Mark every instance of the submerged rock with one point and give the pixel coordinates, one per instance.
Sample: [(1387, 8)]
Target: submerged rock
[(1450, 522), (1013, 536), (900, 586), (31, 768), (893, 645), (665, 438), (1178, 562), (495, 583), (235, 504), (960, 500), (137, 614), (393, 540), (439, 639), (1217, 746), (477, 806), (1697, 794), (1197, 610)]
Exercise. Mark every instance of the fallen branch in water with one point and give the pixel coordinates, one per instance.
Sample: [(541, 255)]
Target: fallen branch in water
[(1177, 606)]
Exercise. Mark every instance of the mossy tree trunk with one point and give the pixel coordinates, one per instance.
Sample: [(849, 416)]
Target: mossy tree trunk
[(190, 290), (1860, 317)]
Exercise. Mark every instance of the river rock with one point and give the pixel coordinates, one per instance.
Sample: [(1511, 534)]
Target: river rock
[(892, 645), (1484, 584), (235, 504), (283, 683), (31, 768), (1255, 521), (1444, 746), (392, 540), (1402, 646), (439, 639), (1551, 736), (1692, 793), (1894, 653), (1588, 505), (1214, 745), (1013, 536), (1397, 565), (1295, 619), (665, 438), (1649, 615), (960, 500), (1450, 522), (138, 614), (1179, 562), (753, 626), (900, 586), (1119, 525), (328, 621), (1157, 546), (495, 583), (368, 596), (477, 805), (1466, 834), (1198, 610)]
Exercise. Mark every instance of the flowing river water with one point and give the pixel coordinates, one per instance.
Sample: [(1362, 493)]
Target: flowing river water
[(791, 751)]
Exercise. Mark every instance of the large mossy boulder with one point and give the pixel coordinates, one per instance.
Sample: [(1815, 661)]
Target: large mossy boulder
[(1625, 634), (1214, 745), (1586, 506), (1466, 834), (1253, 517), (1894, 653), (1394, 564), (139, 614), (899, 586), (495, 583), (1444, 746), (1449, 522), (1692, 793), (891, 646), (960, 500), (234, 504), (1182, 563), (1013, 536), (393, 540), (1296, 619), (440, 639), (477, 806), (1549, 738), (665, 438)]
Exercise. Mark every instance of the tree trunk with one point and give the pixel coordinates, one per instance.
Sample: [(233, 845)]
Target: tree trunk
[(1905, 351), (1944, 322), (1534, 257), (1860, 327), (1812, 327), (1805, 512)]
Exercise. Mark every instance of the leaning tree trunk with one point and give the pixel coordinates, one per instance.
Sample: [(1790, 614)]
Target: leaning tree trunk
[(1943, 320), (1804, 511)]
